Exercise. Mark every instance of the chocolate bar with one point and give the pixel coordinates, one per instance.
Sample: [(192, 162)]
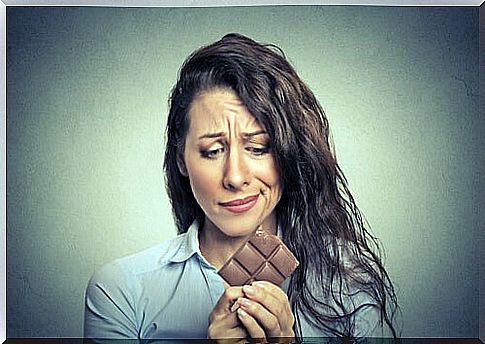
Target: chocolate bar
[(264, 257)]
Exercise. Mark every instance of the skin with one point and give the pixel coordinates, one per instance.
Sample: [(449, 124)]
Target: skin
[(227, 156)]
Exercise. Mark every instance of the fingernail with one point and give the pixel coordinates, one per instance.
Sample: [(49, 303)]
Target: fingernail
[(234, 307), (249, 290), (241, 313), (260, 284), (244, 302)]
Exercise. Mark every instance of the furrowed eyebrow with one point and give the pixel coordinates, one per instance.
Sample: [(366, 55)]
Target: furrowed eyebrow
[(221, 134), (256, 133), (212, 135)]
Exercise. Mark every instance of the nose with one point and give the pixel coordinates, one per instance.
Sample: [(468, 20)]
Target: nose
[(237, 174)]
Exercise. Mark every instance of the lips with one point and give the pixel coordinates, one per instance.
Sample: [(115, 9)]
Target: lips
[(240, 205)]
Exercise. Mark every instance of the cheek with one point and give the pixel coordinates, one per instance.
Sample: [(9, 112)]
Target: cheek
[(200, 178), (270, 177), (202, 184), (204, 181), (273, 174)]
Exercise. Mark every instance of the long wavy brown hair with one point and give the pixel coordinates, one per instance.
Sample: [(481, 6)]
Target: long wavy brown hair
[(317, 215)]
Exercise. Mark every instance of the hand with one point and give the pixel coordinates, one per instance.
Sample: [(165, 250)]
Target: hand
[(265, 312), (223, 320)]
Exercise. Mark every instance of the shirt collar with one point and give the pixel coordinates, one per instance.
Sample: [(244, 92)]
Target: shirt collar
[(189, 244)]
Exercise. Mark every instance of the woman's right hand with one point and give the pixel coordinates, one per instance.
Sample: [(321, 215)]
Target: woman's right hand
[(223, 320)]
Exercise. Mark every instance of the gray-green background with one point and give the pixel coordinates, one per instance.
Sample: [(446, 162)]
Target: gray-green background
[(86, 106)]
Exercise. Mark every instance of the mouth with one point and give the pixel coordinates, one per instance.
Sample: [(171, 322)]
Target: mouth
[(241, 205)]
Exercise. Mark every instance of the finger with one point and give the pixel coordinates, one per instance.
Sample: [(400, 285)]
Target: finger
[(223, 316), (226, 302), (252, 327), (271, 288), (273, 299), (224, 321), (268, 321)]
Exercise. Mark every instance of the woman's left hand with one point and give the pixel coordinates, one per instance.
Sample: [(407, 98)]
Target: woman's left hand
[(265, 311)]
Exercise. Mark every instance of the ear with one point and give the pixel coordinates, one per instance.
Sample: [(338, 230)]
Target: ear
[(181, 165)]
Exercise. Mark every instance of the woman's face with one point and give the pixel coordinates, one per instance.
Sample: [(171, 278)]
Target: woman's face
[(230, 164)]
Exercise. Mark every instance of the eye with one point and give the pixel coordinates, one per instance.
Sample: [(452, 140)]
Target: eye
[(211, 153), (258, 151)]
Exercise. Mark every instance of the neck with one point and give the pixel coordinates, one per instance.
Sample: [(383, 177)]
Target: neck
[(217, 247)]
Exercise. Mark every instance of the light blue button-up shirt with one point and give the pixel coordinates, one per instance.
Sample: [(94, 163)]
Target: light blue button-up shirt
[(165, 292)]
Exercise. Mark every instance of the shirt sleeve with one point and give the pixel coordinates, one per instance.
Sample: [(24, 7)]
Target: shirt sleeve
[(109, 308), (368, 323)]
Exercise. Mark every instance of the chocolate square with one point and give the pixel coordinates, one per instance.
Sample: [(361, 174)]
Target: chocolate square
[(264, 257)]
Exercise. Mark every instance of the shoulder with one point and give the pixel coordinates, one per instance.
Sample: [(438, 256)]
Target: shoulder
[(113, 294), (352, 292), (124, 272), (363, 283)]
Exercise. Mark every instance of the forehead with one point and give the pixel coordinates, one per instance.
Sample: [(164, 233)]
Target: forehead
[(219, 108)]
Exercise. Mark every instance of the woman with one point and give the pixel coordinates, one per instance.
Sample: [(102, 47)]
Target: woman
[(248, 147)]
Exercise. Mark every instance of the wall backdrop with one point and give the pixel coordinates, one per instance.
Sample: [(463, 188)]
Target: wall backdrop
[(86, 107)]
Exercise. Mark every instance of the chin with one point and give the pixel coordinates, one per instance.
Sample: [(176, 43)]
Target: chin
[(237, 227)]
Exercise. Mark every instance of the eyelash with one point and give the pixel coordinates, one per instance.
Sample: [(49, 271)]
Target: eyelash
[(259, 150), (212, 153)]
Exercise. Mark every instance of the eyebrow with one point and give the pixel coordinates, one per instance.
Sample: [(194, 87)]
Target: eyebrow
[(221, 133), (212, 135)]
